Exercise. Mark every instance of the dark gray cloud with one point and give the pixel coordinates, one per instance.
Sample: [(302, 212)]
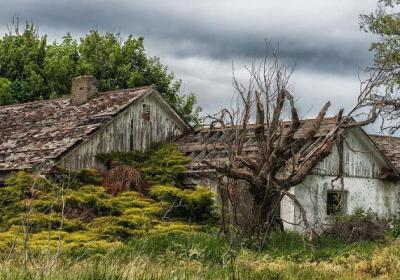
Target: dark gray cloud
[(200, 39)]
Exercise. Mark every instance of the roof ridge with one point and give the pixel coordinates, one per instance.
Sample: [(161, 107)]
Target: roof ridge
[(252, 125), (67, 97), (123, 90)]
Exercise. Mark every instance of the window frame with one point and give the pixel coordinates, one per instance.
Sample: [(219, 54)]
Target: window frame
[(146, 111), (330, 212)]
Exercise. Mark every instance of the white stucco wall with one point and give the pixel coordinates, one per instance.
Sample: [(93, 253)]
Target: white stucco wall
[(380, 196), (363, 187)]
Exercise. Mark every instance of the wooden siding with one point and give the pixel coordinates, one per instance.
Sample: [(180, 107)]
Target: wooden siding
[(130, 130)]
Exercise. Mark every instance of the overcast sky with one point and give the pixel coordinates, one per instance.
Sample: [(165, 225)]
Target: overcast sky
[(199, 39)]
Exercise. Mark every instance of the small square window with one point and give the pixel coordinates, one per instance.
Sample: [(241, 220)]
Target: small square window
[(335, 203)]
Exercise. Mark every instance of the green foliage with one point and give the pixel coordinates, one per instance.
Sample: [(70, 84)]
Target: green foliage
[(83, 215), (294, 246), (77, 178), (22, 60), (198, 246), (394, 226), (5, 92), (31, 69), (197, 255), (18, 188), (161, 164), (195, 204), (386, 24)]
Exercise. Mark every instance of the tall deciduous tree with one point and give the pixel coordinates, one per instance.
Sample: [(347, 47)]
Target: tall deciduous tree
[(38, 70), (385, 23), (283, 155)]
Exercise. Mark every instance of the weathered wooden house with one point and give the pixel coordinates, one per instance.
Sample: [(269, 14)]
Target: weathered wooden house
[(71, 131)]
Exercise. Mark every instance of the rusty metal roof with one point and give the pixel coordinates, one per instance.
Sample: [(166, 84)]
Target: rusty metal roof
[(39, 132), (390, 147)]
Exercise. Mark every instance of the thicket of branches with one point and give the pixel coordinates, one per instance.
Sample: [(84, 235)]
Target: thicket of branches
[(283, 157)]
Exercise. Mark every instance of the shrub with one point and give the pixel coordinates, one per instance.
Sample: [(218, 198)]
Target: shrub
[(161, 164), (197, 205), (19, 187), (76, 178), (361, 225), (86, 216), (394, 226), (37, 222), (124, 178)]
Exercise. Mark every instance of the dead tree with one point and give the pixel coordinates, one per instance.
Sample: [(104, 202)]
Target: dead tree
[(286, 150)]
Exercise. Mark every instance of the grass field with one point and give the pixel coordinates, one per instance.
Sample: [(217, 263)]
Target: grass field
[(86, 231), (206, 256)]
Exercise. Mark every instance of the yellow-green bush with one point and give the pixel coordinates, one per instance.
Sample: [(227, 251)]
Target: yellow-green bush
[(197, 204), (173, 227), (19, 187), (37, 222), (161, 164), (86, 216), (76, 178)]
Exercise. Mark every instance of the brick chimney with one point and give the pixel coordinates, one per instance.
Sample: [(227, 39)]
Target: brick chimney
[(83, 88)]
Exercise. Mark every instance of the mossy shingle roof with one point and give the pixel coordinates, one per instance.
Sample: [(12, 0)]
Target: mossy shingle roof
[(38, 133)]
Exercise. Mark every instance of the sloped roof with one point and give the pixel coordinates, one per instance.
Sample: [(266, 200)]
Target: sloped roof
[(38, 132), (203, 144), (390, 146)]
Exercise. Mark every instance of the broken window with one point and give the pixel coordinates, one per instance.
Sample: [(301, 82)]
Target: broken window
[(146, 112), (189, 185), (335, 203)]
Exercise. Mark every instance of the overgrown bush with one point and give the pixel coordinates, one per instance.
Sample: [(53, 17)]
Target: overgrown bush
[(76, 178), (196, 205), (160, 165), (124, 178), (87, 215), (394, 226), (360, 225)]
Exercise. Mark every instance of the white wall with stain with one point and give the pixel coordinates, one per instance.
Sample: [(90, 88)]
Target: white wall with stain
[(362, 185), (380, 196)]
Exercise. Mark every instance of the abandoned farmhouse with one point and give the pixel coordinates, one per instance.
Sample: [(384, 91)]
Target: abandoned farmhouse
[(71, 131)]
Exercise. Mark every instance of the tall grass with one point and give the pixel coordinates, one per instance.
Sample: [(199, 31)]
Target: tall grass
[(205, 256)]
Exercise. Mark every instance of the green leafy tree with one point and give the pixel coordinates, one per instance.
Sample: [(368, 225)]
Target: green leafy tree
[(5, 92), (37, 70), (61, 65), (22, 58), (385, 23)]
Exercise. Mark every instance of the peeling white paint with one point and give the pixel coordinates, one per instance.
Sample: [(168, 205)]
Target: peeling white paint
[(362, 184), (363, 187)]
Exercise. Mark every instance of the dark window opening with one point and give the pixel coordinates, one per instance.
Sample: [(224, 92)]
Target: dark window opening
[(146, 112), (335, 203), (189, 186)]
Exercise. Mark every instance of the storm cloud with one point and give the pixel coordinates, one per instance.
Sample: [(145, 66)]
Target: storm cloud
[(199, 40)]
